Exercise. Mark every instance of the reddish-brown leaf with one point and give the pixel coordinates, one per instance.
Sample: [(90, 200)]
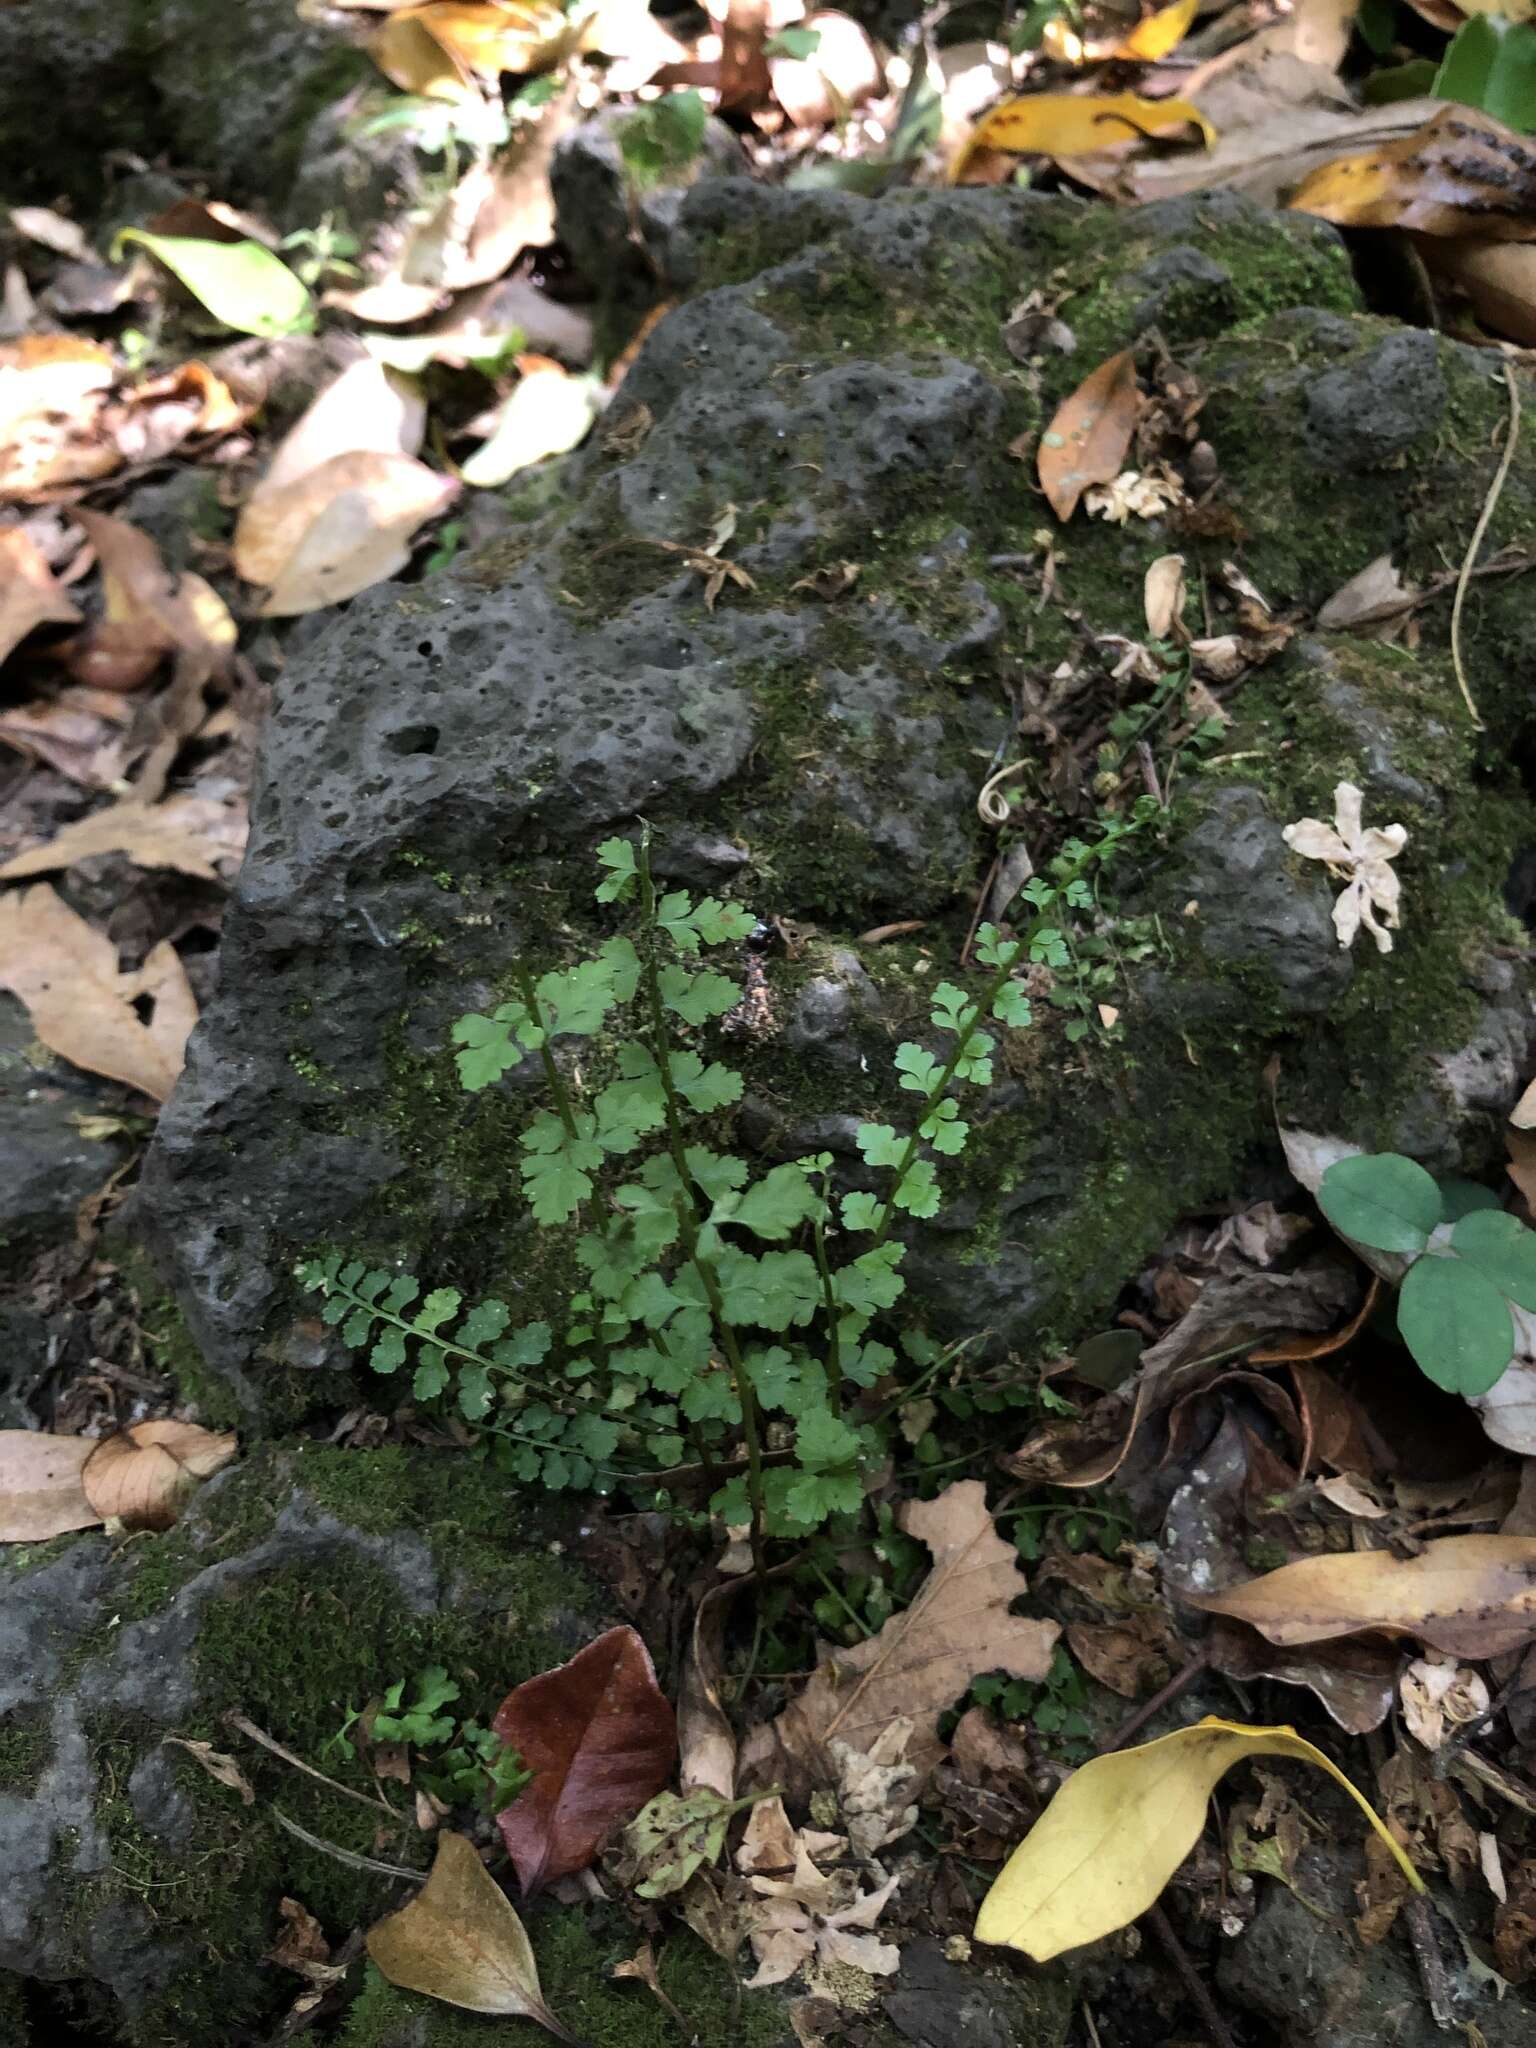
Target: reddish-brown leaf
[(600, 1739), (1091, 431)]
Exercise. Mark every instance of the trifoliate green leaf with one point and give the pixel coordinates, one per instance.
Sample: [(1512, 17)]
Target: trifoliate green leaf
[(823, 1440), (704, 1088), (555, 1187), (487, 1051), (993, 950), (717, 922), (879, 1144), (774, 1373), (861, 1211), (772, 1208), (919, 1070), (711, 1398), (674, 917), (618, 857), (1381, 1199), (949, 1006), (697, 997), (974, 1065), (768, 1293), (814, 1497), (594, 1435), (1502, 1249), (870, 1282), (1011, 1006), (718, 1174)]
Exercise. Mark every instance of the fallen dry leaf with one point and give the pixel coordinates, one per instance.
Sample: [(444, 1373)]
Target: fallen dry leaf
[(1162, 596), (547, 412), (189, 833), (1101, 1853), (1069, 124), (142, 1476), (40, 1490), (338, 530), (705, 1739), (30, 594), (1474, 1596), (1523, 1115), (81, 1004), (810, 1917), (923, 1659), (1460, 173), (1439, 1696), (460, 1941), (1370, 598), (223, 1770), (53, 393), (1088, 437), (148, 612), (600, 1739), (69, 731), (1355, 1677), (844, 71)]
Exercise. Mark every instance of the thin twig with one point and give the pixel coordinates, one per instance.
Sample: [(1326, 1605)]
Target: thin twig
[(1199, 1997), (378, 1804), (1180, 1682), (347, 1856), (1495, 490), (1420, 1919)]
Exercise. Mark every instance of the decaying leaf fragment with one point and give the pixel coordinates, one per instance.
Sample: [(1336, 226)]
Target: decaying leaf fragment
[(1119, 1828), (188, 833), (1462, 173), (459, 1940), (1088, 437), (40, 1490), (30, 594)]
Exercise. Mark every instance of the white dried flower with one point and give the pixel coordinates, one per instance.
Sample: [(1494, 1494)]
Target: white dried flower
[(1133, 495), (1362, 859)]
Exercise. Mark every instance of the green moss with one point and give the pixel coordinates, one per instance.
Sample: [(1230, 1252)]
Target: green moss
[(173, 1349), (296, 1647), (577, 1949), (26, 1743)]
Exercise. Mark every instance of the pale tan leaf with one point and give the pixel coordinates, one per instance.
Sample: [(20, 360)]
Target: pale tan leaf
[(1377, 593), (460, 1941), (1523, 1115), (53, 393), (1474, 1596), (142, 1476), (338, 529), (30, 594), (221, 1768), (40, 1490), (844, 71), (189, 833), (81, 1004), (53, 231), (705, 1739), (547, 413), (368, 409), (1162, 596), (923, 1659)]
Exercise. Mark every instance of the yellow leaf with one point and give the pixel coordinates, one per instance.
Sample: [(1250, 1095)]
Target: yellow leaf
[(1074, 123), (1160, 32), (459, 1940), (1101, 1853)]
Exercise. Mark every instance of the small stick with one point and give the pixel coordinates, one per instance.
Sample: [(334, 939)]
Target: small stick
[(347, 1856), (1199, 1996), (1180, 1682), (236, 1719), (1495, 490), (1419, 1916)]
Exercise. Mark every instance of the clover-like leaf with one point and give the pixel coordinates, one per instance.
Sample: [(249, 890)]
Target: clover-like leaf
[(1456, 1323), (1502, 1249), (1382, 1200)]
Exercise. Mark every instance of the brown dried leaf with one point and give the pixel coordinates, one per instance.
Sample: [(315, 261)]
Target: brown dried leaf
[(40, 1490), (600, 1739), (1355, 1678), (460, 1941), (1474, 1596), (844, 70), (224, 1771), (924, 1658), (706, 1741), (1461, 173), (30, 595), (81, 1004), (143, 1475), (53, 394), (337, 530), (1087, 439), (189, 833)]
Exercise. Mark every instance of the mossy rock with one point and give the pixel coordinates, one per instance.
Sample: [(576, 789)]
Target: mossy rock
[(445, 758), (301, 1584)]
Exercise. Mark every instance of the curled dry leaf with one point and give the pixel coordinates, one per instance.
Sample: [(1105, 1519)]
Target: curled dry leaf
[(959, 1623), (30, 594), (82, 1006), (40, 1490), (1440, 1696), (549, 411), (1461, 173), (1088, 437), (1162, 597), (460, 1941), (1374, 596), (600, 1739), (221, 1768), (812, 1916), (1066, 124), (1474, 1596), (844, 70), (142, 1476), (53, 393), (1115, 1833)]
